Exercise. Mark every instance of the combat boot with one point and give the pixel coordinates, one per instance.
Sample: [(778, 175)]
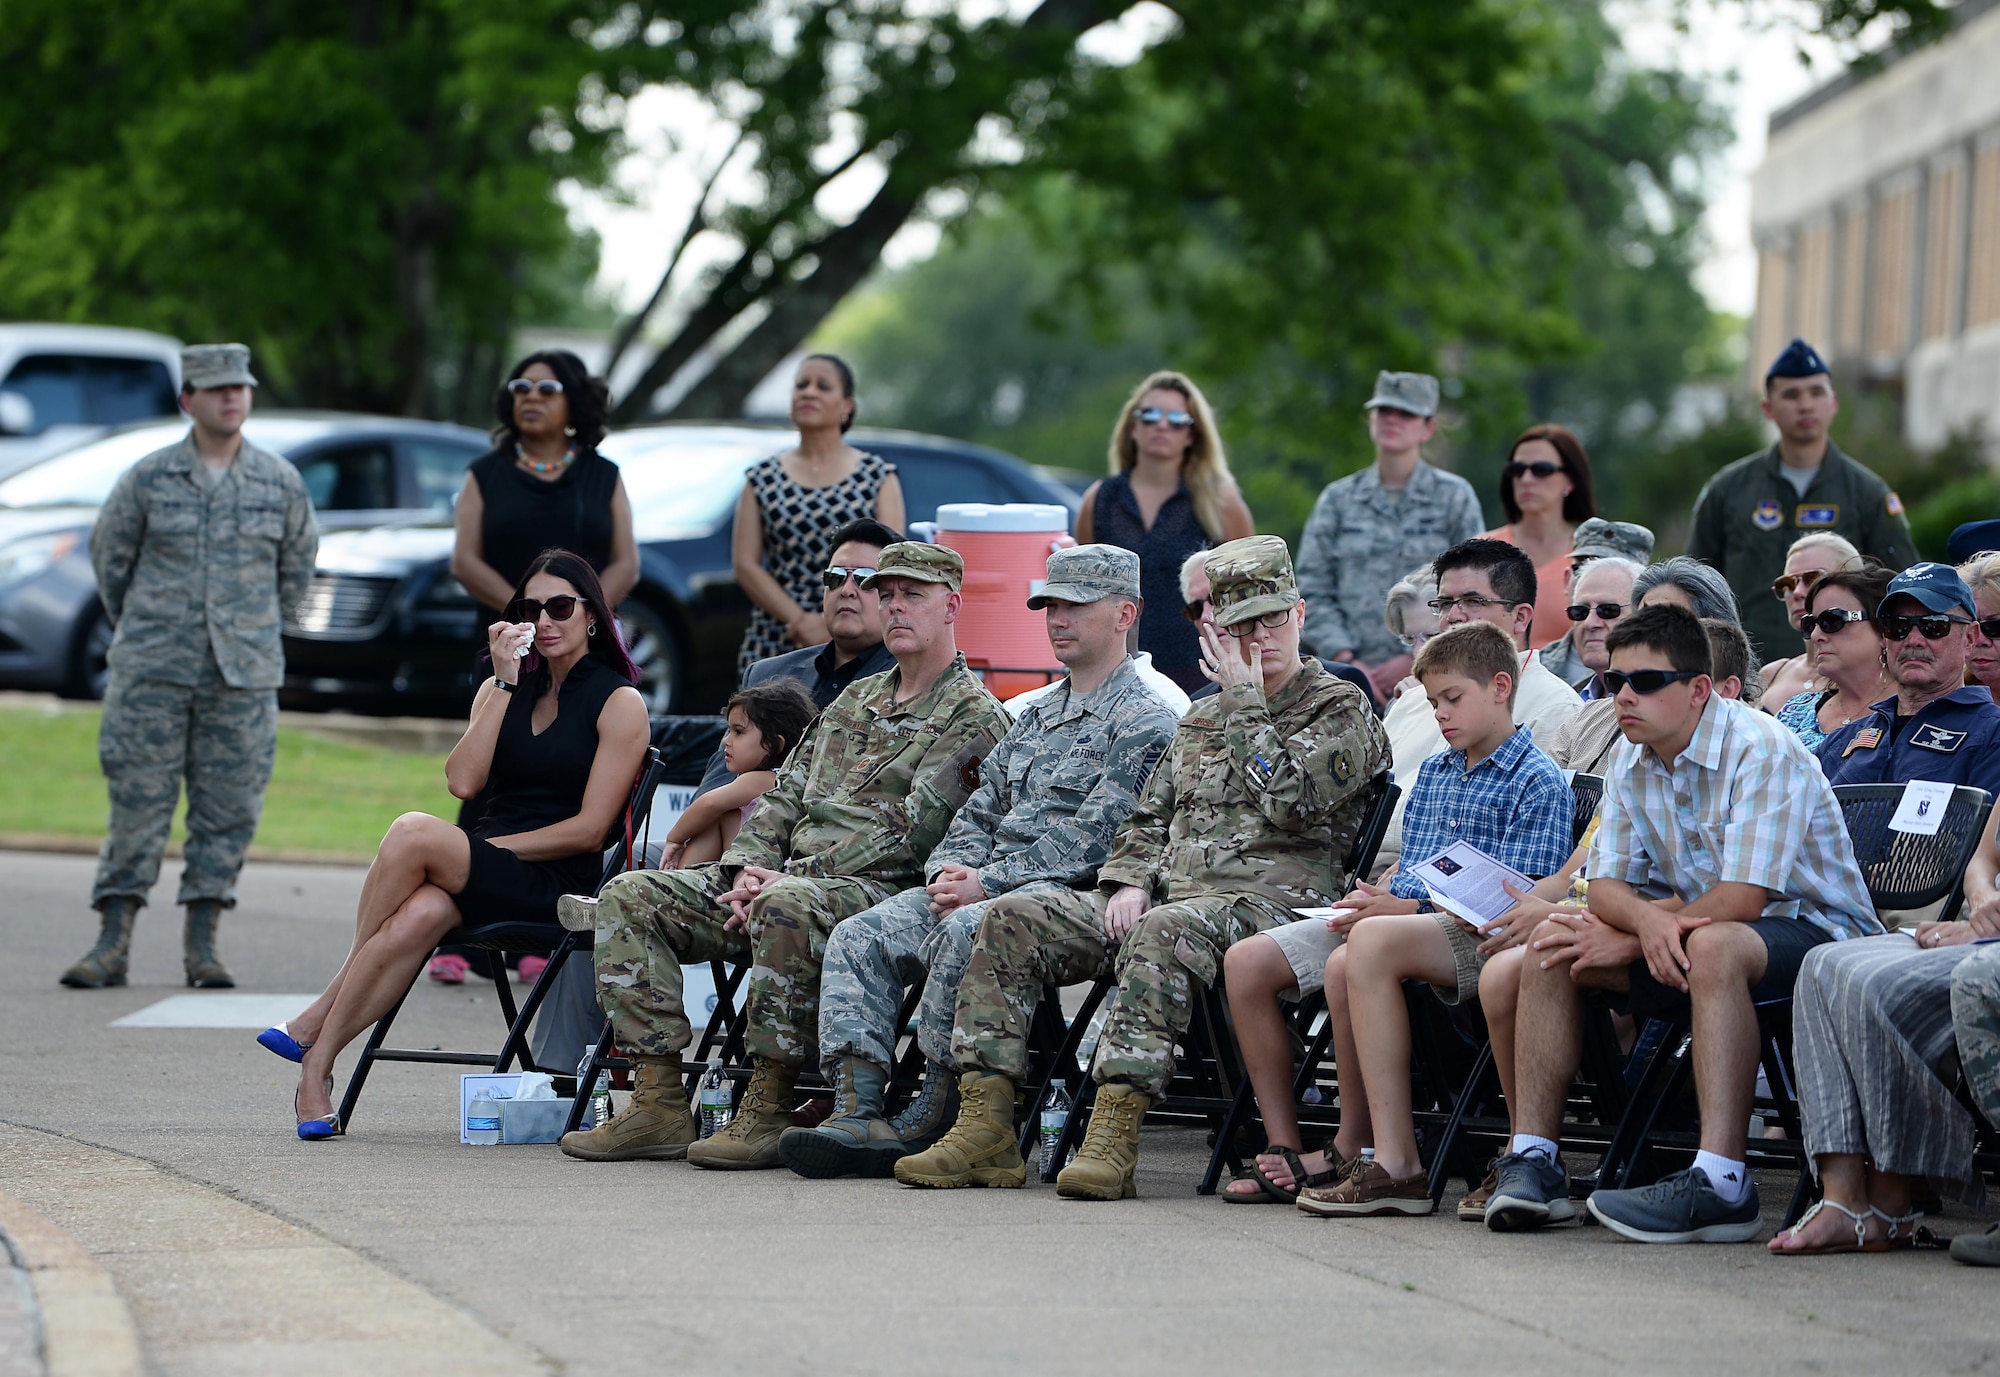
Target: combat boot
[(856, 1139), (1103, 1166), (980, 1149), (204, 968), (750, 1142), (104, 964), (656, 1126), (925, 1119)]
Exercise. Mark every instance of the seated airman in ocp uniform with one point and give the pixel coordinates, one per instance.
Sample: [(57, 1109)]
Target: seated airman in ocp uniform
[(1249, 815)]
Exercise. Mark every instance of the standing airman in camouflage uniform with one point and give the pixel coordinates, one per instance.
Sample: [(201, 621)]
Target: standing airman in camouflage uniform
[(199, 551), (1975, 1016), (1050, 797), (1370, 527), (1248, 815), (856, 808)]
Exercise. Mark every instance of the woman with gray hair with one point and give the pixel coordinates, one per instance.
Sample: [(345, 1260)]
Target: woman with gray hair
[(1702, 590)]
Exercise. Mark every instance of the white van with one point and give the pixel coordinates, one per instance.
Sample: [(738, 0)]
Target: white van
[(63, 384)]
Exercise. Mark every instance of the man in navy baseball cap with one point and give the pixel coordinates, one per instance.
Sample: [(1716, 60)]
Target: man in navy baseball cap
[(1936, 727), (1748, 516)]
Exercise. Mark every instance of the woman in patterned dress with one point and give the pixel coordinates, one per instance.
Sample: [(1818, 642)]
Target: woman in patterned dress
[(793, 501)]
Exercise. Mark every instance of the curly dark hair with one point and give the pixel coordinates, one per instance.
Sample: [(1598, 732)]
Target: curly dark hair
[(589, 398)]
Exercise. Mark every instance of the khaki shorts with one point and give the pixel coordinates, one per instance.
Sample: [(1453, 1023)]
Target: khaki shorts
[(1308, 943)]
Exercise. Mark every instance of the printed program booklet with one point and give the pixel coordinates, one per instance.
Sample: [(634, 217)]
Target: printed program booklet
[(1467, 883)]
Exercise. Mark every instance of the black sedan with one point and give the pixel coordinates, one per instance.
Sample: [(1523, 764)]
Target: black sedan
[(388, 629), (360, 470)]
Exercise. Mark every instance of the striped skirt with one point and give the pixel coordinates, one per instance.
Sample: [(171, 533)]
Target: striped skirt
[(1871, 1024)]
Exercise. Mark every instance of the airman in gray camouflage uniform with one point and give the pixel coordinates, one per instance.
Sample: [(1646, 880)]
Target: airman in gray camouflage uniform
[(1247, 816), (856, 808), (1371, 527), (1050, 797), (1975, 1016), (199, 550)]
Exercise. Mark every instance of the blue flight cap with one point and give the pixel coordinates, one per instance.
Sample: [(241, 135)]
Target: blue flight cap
[(1937, 586), (1800, 360), (1973, 538)]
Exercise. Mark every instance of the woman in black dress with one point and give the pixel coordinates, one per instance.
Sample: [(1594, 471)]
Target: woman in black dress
[(559, 734), (1170, 494)]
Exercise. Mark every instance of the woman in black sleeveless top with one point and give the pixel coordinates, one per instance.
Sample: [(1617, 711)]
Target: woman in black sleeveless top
[(559, 735), (544, 484), (1170, 494)]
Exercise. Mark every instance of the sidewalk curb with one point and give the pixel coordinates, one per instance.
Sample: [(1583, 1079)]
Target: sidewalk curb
[(65, 844), (86, 1330)]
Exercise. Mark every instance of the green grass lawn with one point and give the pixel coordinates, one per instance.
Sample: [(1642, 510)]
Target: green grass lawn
[(329, 797)]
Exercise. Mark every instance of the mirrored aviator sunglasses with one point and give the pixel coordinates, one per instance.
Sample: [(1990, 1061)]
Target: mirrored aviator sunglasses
[(838, 575), (1153, 415), (1646, 682), (548, 387)]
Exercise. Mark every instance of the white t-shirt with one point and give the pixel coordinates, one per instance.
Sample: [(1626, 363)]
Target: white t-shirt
[(1164, 689), (1542, 703)]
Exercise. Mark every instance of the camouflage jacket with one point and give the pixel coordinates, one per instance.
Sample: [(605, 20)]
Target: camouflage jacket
[(1256, 798), (1058, 785), (184, 565), (870, 790)]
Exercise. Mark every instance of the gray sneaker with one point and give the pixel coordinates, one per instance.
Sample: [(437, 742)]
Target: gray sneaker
[(1682, 1208), (1978, 1250), (1530, 1191)]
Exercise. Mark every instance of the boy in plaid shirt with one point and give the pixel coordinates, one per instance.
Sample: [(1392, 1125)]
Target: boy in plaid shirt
[(1489, 787)]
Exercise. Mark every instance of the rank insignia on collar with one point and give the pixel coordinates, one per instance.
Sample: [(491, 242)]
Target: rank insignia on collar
[(1929, 738), (1816, 518), (1867, 739), (1767, 516)]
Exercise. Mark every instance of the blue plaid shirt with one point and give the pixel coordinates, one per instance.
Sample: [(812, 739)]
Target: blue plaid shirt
[(1514, 805)]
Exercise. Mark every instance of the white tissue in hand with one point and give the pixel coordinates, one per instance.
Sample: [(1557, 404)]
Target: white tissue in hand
[(535, 1086), (527, 629)]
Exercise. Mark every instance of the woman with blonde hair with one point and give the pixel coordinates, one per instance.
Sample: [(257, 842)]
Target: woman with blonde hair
[(1982, 652), (1170, 494), (1812, 557)]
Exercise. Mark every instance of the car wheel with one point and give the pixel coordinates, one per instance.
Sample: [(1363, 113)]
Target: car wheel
[(90, 667), (654, 650)]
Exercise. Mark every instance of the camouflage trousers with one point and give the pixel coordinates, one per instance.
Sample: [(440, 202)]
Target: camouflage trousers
[(874, 956), (651, 921), (1975, 1014), (154, 735), (1029, 941)]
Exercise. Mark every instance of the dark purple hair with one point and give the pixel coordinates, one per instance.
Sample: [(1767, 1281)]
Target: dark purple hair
[(607, 645)]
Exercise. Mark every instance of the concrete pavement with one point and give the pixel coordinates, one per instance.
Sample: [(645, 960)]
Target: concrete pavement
[(169, 1155)]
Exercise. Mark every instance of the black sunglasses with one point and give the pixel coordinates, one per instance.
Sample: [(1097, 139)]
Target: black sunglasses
[(1541, 468), (1989, 627), (1153, 415), (837, 575), (548, 387), (1645, 682), (1606, 611), (1835, 620), (560, 608), (1195, 611), (1896, 628)]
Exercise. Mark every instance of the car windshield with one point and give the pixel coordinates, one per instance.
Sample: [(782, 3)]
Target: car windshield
[(83, 477), (683, 480)]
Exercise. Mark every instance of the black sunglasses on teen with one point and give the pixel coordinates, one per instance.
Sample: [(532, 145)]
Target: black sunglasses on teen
[(560, 608), (1646, 682)]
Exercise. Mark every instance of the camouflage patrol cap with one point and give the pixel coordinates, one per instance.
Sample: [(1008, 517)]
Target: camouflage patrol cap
[(1416, 393), (1089, 573), (1249, 577), (216, 365), (913, 559)]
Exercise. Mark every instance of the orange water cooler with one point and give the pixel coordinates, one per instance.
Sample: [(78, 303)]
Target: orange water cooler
[(1006, 552)]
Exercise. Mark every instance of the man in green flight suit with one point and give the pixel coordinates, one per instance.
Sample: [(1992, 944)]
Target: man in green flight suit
[(1749, 514)]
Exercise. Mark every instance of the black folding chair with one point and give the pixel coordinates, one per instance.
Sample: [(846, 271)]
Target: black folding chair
[(1905, 871), (536, 939)]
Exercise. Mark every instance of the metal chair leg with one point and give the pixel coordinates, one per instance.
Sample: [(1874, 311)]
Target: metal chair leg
[(358, 1077)]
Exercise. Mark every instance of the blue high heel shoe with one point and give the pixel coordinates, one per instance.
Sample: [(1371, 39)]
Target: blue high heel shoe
[(280, 1040), (326, 1126)]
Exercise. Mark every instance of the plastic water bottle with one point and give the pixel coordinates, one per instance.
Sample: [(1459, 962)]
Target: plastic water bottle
[(1055, 1118), (482, 1120), (600, 1101), (717, 1097)]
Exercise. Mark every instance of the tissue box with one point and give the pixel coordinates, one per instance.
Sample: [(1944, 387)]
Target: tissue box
[(533, 1121)]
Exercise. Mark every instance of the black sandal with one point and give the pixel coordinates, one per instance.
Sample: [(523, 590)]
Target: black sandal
[(1271, 1193)]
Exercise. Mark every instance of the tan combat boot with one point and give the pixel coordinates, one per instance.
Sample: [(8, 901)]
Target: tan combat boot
[(980, 1150), (656, 1126), (1103, 1166), (104, 964), (750, 1143)]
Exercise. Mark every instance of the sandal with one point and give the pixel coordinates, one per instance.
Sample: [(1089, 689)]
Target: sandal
[(1862, 1243), (1271, 1193)]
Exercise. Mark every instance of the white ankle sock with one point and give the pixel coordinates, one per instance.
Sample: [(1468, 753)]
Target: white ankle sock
[(1528, 1142), (1726, 1178)]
